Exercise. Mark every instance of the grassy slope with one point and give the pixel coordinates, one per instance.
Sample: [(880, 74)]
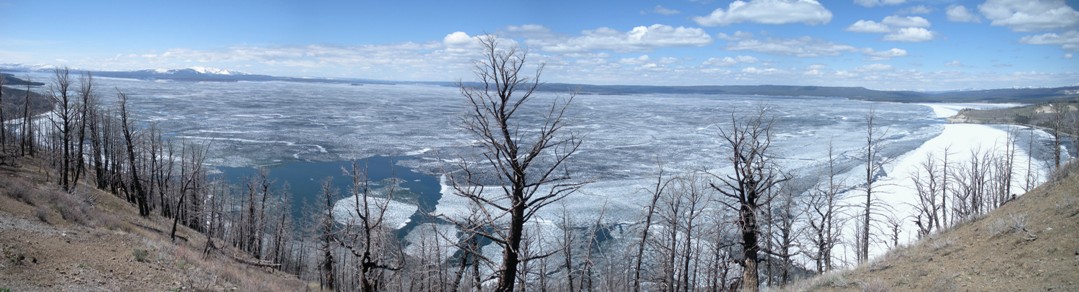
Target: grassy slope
[(91, 240), (1029, 244)]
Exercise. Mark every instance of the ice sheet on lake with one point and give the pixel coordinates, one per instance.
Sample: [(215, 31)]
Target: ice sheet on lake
[(432, 239), (396, 213)]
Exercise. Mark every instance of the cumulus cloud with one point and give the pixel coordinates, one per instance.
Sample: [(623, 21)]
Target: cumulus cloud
[(868, 26), (664, 10), (960, 13), (768, 12), (1030, 15), (729, 61), (884, 55), (897, 28), (872, 3), (910, 34), (458, 38), (640, 38), (1068, 40)]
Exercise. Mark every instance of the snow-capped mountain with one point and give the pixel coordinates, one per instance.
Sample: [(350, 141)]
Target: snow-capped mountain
[(197, 70)]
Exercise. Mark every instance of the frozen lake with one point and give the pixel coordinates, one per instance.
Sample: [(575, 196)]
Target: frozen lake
[(625, 136)]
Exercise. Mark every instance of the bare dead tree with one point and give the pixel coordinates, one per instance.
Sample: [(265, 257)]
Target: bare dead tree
[(656, 191), (86, 94), (63, 121), (822, 220), (28, 144), (525, 161), (746, 189), (785, 245), (3, 119), (1057, 122), (191, 175), (1031, 178), (873, 164), (366, 236), (140, 193), (327, 231), (926, 181)]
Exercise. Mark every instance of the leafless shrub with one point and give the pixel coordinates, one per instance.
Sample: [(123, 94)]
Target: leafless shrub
[(42, 214), (944, 283), (941, 243), (875, 285), (1013, 223), (17, 189)]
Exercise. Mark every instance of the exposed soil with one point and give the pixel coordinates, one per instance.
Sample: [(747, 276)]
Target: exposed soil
[(106, 246)]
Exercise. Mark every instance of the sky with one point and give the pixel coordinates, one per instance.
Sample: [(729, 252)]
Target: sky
[(879, 44)]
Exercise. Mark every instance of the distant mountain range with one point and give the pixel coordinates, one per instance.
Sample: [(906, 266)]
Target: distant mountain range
[(194, 74), (1020, 95)]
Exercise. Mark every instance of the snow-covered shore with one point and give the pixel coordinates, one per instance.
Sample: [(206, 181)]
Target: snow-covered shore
[(897, 191)]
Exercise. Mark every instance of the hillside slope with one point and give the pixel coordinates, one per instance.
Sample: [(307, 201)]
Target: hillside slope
[(93, 241), (1029, 244)]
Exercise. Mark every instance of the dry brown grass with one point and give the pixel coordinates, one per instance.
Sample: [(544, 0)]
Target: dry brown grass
[(90, 240)]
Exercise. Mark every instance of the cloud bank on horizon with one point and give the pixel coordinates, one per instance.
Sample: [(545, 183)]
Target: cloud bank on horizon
[(880, 44)]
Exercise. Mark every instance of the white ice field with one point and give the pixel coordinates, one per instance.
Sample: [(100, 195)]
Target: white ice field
[(626, 137)]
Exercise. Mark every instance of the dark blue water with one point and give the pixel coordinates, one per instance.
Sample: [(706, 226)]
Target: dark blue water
[(305, 183)]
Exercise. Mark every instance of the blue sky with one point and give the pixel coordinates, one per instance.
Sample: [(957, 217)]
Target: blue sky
[(880, 44)]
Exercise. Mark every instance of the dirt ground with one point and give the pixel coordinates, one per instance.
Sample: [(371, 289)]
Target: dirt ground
[(106, 246)]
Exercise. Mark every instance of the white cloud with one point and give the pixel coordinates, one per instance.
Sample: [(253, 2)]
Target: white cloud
[(905, 21), (1068, 40), (960, 13), (665, 11), (871, 3), (875, 67), (910, 34), (737, 35), (1068, 56), (458, 38), (640, 38), (761, 71), (884, 55), (729, 61), (768, 12), (868, 26), (800, 47), (954, 63), (806, 47), (814, 70), (642, 59), (1030, 15), (898, 28)]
